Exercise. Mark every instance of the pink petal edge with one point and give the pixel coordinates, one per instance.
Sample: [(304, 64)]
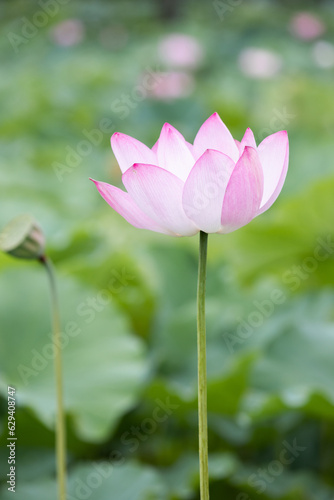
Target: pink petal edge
[(128, 151), (173, 152), (204, 190), (123, 204), (274, 156), (158, 193), (214, 134), (243, 193)]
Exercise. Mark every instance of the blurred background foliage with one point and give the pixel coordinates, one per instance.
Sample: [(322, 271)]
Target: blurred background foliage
[(74, 72)]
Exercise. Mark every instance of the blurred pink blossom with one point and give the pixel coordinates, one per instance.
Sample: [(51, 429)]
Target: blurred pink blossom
[(172, 85), (68, 33), (180, 51), (259, 63), (306, 26)]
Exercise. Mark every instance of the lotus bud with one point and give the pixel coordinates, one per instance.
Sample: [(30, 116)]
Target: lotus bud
[(23, 238)]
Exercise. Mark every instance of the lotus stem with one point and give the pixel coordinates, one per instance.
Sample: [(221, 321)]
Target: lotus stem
[(202, 376), (60, 416)]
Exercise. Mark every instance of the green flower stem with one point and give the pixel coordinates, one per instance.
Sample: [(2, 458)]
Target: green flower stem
[(60, 422), (202, 383)]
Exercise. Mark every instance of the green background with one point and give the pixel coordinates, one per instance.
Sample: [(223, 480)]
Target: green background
[(128, 295)]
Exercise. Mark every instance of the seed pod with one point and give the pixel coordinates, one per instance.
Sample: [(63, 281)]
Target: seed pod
[(23, 238)]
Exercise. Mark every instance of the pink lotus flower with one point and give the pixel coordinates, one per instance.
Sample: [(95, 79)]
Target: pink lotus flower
[(215, 185)]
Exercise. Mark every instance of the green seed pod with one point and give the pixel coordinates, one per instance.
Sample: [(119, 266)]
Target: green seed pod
[(23, 238)]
